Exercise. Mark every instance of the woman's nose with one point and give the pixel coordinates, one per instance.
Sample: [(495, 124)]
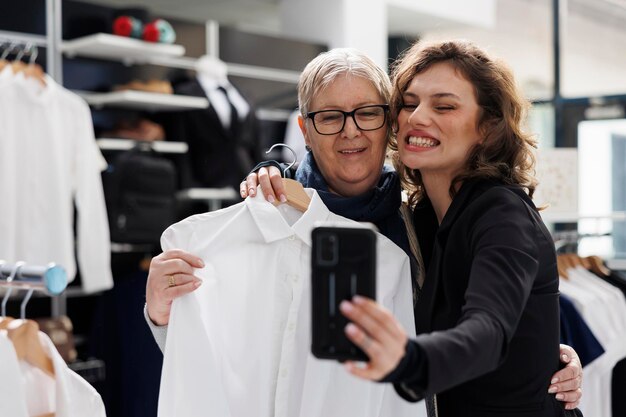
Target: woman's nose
[(419, 116), (350, 128)]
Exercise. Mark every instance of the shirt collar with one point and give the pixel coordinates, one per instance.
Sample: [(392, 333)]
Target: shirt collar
[(273, 225)]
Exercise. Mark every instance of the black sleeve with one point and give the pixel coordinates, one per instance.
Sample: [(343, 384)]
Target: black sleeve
[(411, 374)]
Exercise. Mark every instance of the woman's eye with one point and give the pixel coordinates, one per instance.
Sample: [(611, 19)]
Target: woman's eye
[(443, 108), (409, 107)]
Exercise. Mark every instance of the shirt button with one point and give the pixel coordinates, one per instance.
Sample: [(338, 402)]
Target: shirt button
[(292, 237), (283, 373), (291, 326)]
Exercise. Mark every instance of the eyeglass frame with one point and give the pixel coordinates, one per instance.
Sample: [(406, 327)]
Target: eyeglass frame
[(311, 115)]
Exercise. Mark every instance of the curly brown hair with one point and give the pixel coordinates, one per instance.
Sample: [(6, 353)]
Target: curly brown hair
[(506, 153)]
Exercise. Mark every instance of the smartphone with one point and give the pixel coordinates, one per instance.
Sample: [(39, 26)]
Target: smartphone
[(343, 263)]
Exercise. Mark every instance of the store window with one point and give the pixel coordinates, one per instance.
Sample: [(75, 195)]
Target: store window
[(521, 35), (541, 123), (602, 187), (593, 38)]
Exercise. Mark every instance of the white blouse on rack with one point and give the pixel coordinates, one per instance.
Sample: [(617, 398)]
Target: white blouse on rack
[(50, 164), (603, 307)]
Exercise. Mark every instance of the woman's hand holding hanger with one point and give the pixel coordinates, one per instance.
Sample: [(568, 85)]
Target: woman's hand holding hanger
[(271, 182)]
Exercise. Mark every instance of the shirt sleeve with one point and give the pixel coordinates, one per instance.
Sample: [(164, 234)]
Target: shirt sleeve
[(169, 239), (94, 242), (158, 332)]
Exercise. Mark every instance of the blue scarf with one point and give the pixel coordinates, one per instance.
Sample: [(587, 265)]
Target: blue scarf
[(380, 206)]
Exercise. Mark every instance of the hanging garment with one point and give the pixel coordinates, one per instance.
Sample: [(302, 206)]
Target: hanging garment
[(576, 333), (603, 308), (239, 345), (222, 148), (50, 165), (11, 388), (27, 391), (230, 118)]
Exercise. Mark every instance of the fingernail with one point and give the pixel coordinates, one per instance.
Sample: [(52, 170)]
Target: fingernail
[(559, 397), (271, 198), (346, 307), (351, 329), (251, 191), (348, 366), (554, 380), (283, 198), (552, 390), (200, 263), (197, 283), (565, 358), (357, 299)]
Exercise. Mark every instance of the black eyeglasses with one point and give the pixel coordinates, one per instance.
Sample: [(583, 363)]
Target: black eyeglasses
[(331, 122)]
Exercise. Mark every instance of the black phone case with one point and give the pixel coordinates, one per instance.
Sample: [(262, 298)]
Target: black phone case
[(343, 263)]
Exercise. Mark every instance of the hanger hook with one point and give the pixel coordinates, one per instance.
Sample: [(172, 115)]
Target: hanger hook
[(14, 272), (21, 52), (8, 50), (34, 52), (27, 52), (24, 302), (295, 156)]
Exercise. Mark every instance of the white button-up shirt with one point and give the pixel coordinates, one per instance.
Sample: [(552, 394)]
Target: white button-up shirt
[(27, 391), (49, 164), (239, 345)]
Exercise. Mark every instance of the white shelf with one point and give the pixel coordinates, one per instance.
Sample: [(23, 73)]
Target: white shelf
[(208, 194), (112, 144), (120, 48), (141, 100), (575, 217)]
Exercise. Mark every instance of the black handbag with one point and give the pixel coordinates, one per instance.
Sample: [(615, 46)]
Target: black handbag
[(140, 187)]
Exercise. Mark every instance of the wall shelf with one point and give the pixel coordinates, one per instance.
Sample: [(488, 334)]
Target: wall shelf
[(113, 144), (141, 100), (213, 197), (119, 48), (573, 217), (226, 193)]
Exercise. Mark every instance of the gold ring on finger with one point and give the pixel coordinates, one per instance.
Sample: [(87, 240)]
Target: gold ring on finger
[(171, 281)]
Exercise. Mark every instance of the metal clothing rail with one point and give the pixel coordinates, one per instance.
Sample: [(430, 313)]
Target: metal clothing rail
[(50, 279), (51, 41), (23, 38)]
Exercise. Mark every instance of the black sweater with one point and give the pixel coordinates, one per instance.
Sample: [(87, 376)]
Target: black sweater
[(487, 319)]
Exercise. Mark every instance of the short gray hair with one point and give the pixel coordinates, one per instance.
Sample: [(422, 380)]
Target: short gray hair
[(327, 66)]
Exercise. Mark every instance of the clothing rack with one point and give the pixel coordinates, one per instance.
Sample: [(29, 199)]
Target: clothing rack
[(564, 240), (50, 279), (51, 40)]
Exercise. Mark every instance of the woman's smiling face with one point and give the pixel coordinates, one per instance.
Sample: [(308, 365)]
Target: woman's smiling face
[(351, 160), (438, 122)]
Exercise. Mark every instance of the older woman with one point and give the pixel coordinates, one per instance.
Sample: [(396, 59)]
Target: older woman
[(489, 306), (340, 93)]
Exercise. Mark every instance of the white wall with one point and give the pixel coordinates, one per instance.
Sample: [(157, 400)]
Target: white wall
[(360, 24)]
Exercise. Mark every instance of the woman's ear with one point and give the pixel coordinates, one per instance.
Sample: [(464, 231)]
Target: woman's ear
[(302, 125)]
